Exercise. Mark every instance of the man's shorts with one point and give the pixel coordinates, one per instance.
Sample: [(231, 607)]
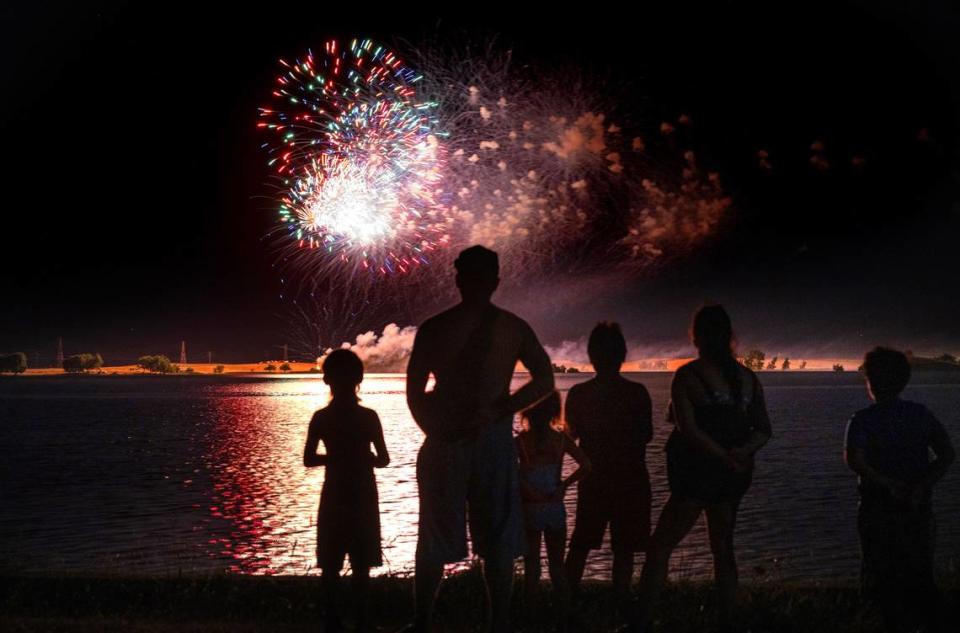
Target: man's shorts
[(476, 477), (625, 506)]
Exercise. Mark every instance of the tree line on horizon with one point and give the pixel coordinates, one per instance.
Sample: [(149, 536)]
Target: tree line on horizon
[(755, 359)]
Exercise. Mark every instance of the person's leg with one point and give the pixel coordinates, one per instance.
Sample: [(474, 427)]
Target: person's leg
[(879, 566), (556, 541), (531, 569), (330, 584), (590, 524), (359, 586), (676, 520), (576, 562), (622, 542), (498, 575), (621, 575), (443, 472), (496, 515), (428, 575), (721, 521), (922, 595)]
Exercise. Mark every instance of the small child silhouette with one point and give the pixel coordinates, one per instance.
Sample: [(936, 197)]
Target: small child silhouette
[(541, 449), (888, 445), (348, 521)]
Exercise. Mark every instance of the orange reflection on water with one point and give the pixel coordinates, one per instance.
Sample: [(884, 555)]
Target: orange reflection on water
[(263, 501)]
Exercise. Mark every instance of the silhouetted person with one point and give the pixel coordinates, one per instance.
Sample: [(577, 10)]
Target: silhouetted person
[(611, 416), (542, 488), (721, 420), (469, 458), (348, 521), (887, 445)]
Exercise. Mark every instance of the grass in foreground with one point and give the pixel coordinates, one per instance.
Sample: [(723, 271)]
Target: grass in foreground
[(247, 604)]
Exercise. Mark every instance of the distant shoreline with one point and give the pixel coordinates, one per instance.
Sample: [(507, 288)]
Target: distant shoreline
[(114, 372), (298, 368)]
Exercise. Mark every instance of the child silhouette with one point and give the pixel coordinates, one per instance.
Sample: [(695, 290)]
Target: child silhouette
[(348, 521)]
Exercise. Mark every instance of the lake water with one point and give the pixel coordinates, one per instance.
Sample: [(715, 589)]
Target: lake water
[(150, 475)]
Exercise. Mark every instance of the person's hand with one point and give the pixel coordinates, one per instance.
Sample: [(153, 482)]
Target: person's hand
[(730, 463), (739, 460)]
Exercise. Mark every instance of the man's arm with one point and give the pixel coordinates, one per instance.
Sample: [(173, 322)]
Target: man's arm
[(944, 452), (762, 431), (418, 373), (583, 463), (310, 457), (856, 459), (645, 416), (855, 455), (571, 413), (535, 359), (381, 458)]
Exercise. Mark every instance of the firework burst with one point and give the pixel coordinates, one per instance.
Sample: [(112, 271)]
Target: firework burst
[(359, 159), (383, 171)]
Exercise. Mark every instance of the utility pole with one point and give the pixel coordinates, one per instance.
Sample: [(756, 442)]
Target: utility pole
[(60, 352), (209, 358), (183, 352)]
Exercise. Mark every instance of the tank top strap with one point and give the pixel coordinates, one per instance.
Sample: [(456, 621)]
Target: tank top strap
[(711, 394)]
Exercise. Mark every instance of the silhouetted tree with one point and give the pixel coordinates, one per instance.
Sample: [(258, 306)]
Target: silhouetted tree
[(754, 360), (218, 369), (79, 363), (773, 363), (158, 364), (15, 363), (786, 364), (803, 364), (285, 367), (270, 368), (838, 367)]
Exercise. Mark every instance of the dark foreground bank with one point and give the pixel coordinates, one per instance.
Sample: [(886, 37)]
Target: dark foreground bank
[(245, 603)]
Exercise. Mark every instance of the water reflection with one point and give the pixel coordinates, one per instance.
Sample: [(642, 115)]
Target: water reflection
[(263, 502), (149, 475)]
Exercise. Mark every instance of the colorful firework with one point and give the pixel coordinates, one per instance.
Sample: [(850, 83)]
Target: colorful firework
[(383, 170), (359, 158)]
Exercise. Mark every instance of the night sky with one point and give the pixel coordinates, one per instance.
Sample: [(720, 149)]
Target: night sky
[(135, 205)]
